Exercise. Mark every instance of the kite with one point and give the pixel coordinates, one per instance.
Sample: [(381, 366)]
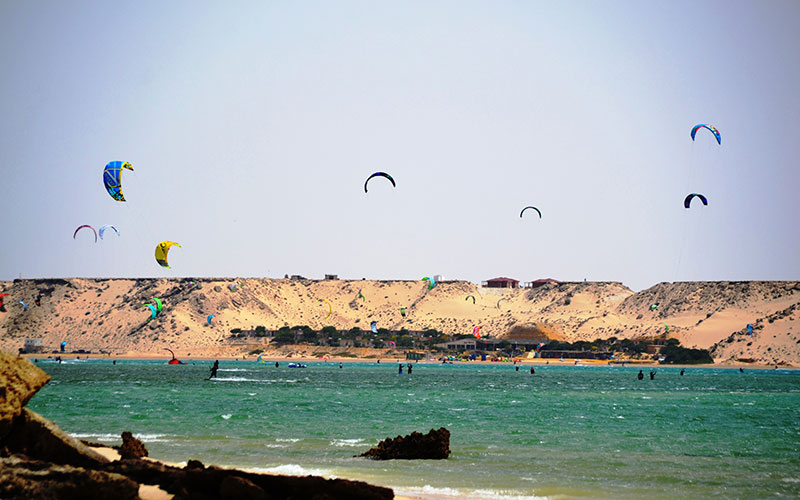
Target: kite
[(477, 331), (2, 305), (394, 345), (233, 286), (159, 305), (431, 282), (688, 199), (107, 226), (209, 318), (75, 234), (374, 326), (712, 128), (330, 309), (381, 174), (174, 360), (161, 252), (498, 301), (112, 178), (750, 329), (537, 211), (260, 359), (361, 296), (653, 307), (153, 310), (403, 312), (471, 296), (24, 305), (666, 328)]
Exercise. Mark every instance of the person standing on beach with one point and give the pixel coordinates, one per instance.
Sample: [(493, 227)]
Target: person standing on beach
[(640, 376), (214, 369)]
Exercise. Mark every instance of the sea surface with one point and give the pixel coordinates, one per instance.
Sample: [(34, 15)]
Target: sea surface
[(563, 432)]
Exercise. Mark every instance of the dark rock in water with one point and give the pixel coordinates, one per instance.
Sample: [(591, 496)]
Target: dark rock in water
[(195, 464), (19, 381), (132, 447), (433, 445), (38, 438), (23, 478), (215, 482)]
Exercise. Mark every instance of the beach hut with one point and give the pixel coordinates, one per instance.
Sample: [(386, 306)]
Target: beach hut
[(501, 283)]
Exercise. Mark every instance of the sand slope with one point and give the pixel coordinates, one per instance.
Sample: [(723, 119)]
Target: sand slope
[(107, 314)]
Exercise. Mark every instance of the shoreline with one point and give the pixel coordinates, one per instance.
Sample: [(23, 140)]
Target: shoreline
[(284, 358)]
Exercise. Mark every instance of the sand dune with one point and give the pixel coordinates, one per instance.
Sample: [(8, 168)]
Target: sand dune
[(108, 314)]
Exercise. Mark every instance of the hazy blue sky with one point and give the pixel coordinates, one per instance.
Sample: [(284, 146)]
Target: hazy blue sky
[(252, 127)]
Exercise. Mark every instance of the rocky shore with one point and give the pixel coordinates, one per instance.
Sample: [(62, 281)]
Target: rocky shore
[(39, 460)]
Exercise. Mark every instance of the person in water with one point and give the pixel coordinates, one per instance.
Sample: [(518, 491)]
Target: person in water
[(340, 364), (682, 370), (409, 368), (652, 374), (276, 364), (741, 370), (532, 371), (640, 376), (400, 368), (214, 369)]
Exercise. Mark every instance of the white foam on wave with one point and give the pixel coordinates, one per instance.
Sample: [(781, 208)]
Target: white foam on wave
[(287, 440), (227, 416), (429, 492), (147, 438), (241, 379), (293, 470), (347, 442), (233, 370)]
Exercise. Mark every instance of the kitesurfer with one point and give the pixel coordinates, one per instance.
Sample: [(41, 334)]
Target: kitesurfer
[(640, 376), (741, 370), (214, 369)]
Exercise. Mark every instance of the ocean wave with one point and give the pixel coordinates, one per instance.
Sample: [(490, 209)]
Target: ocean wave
[(340, 443), (287, 440), (429, 492), (293, 470), (234, 370), (146, 438), (241, 379)]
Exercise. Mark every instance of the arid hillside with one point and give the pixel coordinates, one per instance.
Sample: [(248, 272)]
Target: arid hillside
[(109, 314)]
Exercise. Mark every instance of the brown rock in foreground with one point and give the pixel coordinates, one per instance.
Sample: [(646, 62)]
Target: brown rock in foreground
[(19, 381), (433, 445), (131, 447), (36, 437), (24, 478), (213, 482)]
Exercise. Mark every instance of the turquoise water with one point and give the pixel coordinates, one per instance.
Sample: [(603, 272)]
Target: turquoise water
[(565, 432)]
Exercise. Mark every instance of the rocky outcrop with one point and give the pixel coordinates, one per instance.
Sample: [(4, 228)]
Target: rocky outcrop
[(25, 478), (19, 381), (131, 447), (36, 437), (198, 481), (433, 445)]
